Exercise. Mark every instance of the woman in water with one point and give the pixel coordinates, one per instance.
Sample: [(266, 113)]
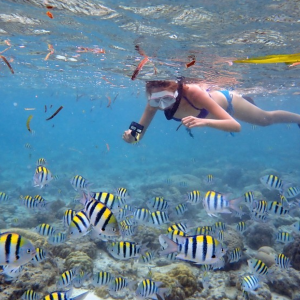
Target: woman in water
[(196, 107)]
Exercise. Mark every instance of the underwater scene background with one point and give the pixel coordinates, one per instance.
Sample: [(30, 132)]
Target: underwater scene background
[(81, 55)]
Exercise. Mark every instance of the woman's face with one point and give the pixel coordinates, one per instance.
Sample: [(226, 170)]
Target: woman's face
[(162, 98)]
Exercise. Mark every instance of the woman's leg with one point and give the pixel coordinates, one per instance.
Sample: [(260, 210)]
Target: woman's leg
[(247, 112)]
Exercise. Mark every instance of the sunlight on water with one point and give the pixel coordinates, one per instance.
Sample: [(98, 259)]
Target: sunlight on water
[(73, 77)]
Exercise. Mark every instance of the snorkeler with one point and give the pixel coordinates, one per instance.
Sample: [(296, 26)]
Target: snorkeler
[(196, 107)]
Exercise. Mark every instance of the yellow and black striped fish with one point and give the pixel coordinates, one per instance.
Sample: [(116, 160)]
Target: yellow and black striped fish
[(44, 229), (102, 278), (67, 277), (124, 250), (4, 196), (79, 183), (201, 249), (41, 162), (109, 200), (102, 218), (68, 217), (79, 225), (15, 250), (42, 176)]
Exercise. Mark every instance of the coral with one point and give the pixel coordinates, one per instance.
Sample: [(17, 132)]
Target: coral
[(181, 281), (101, 292), (266, 255), (292, 251), (285, 282), (79, 259), (259, 235)]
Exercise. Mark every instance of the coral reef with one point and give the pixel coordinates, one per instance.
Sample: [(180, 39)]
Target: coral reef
[(181, 281), (259, 235), (292, 251), (285, 282), (79, 259), (267, 255)]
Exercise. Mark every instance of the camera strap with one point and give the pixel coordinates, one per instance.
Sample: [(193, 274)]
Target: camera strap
[(170, 112)]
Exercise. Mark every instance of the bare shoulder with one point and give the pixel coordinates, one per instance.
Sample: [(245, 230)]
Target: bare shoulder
[(195, 91)]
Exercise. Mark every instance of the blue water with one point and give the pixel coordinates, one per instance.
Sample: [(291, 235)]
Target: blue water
[(85, 137)]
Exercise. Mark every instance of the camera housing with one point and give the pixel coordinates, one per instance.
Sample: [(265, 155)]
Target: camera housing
[(136, 128)]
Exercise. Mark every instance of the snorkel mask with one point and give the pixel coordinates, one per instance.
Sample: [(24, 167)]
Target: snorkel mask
[(162, 99)]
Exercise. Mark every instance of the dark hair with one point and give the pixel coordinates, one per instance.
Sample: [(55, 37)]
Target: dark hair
[(163, 84)]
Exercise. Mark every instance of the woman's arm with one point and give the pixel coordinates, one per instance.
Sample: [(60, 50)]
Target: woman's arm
[(223, 120), (145, 120)]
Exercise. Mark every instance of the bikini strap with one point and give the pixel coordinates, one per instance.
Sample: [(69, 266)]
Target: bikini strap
[(170, 112)]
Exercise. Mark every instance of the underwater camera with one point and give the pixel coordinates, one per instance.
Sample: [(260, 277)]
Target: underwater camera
[(136, 128)]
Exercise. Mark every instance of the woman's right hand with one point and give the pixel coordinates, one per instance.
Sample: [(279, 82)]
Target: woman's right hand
[(127, 137)]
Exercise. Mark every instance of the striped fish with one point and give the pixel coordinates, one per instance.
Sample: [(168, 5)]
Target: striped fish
[(147, 257), (4, 196), (102, 218), (109, 200), (292, 192), (260, 206), (117, 284), (277, 209), (141, 215), (28, 146), (174, 234), (79, 183), (202, 230), (30, 202), (272, 182), (42, 176), (57, 239), (235, 255), (249, 198), (209, 179), (123, 194), (250, 283), (68, 217), (124, 250), (150, 289), (123, 213), (128, 230), (194, 197), (283, 237), (201, 249), (66, 278), (41, 162), (219, 226), (257, 267), (79, 225), (44, 229), (40, 256), (215, 202), (158, 218), (41, 200), (282, 261), (180, 209), (255, 216), (241, 226), (158, 203), (102, 278), (12, 271), (15, 250), (30, 295), (59, 296), (178, 226)]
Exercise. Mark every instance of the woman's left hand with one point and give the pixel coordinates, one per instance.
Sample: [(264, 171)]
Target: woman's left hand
[(191, 122)]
